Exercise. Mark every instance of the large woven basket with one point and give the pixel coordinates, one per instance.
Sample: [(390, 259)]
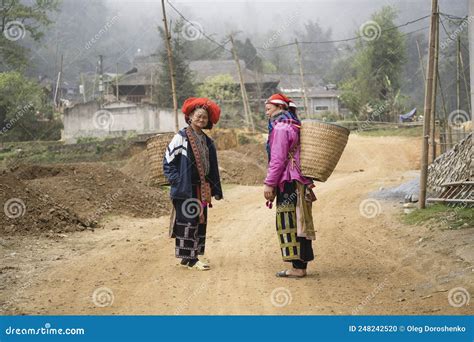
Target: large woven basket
[(322, 145), (156, 148)]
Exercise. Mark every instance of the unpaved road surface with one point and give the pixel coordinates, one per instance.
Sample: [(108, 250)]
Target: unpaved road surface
[(363, 265)]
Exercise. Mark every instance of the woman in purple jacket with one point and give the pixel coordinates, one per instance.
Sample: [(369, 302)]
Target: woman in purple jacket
[(292, 190)]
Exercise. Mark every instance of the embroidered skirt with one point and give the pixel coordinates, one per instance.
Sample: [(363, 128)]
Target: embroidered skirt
[(190, 235), (292, 247)]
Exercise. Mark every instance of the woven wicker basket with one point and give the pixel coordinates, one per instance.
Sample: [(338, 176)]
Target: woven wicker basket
[(322, 145), (156, 148)]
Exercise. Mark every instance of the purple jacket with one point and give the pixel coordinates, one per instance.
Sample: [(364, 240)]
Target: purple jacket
[(281, 169)]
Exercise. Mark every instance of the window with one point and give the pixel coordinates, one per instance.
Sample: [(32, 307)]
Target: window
[(321, 108)]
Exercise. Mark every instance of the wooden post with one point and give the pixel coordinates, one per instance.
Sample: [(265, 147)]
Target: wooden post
[(421, 64), (471, 53), (259, 89), (465, 80), (427, 109), (83, 88), (458, 75), (305, 98), (243, 91), (101, 77), (55, 99), (117, 83), (435, 85), (445, 119), (151, 86), (61, 79), (171, 67), (58, 92)]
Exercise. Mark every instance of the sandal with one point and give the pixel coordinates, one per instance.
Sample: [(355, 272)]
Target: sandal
[(285, 274), (184, 263), (200, 266)]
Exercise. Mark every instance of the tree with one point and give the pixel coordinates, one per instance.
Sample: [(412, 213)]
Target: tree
[(412, 73), (185, 86), (247, 52), (201, 49), (23, 105), (316, 58), (377, 67), (219, 88), (17, 18), (448, 66)]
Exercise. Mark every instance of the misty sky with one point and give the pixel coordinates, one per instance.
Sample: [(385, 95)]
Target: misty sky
[(344, 17)]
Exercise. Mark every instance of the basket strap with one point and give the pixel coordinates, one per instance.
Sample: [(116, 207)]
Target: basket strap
[(291, 157)]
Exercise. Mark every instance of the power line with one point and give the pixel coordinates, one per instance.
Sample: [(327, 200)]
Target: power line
[(449, 35), (198, 28), (209, 53), (346, 39), (451, 16)]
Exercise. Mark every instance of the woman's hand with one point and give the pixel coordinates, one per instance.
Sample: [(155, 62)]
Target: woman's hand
[(269, 192)]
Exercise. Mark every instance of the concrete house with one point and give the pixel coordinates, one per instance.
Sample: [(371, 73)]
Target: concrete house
[(321, 98)]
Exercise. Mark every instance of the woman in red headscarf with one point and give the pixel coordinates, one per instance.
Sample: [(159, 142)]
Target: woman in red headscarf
[(190, 165), (286, 183)]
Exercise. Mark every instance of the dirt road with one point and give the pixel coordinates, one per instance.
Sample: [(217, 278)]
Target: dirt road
[(363, 265)]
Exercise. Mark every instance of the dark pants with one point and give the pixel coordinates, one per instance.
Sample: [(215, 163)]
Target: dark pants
[(189, 233)]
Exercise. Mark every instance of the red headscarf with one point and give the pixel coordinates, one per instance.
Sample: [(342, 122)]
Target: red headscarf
[(278, 99), (211, 107)]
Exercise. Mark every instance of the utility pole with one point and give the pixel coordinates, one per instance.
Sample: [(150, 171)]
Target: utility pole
[(458, 77), (471, 52), (151, 86), (57, 92), (61, 79), (435, 85), (428, 101), (83, 88), (101, 80), (465, 81), (117, 82), (421, 63), (305, 98), (446, 127), (171, 67), (247, 110)]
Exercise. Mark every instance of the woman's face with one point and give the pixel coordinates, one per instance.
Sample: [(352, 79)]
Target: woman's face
[(200, 118), (271, 110)]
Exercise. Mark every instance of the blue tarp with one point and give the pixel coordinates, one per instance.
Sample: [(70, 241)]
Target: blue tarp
[(408, 116)]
